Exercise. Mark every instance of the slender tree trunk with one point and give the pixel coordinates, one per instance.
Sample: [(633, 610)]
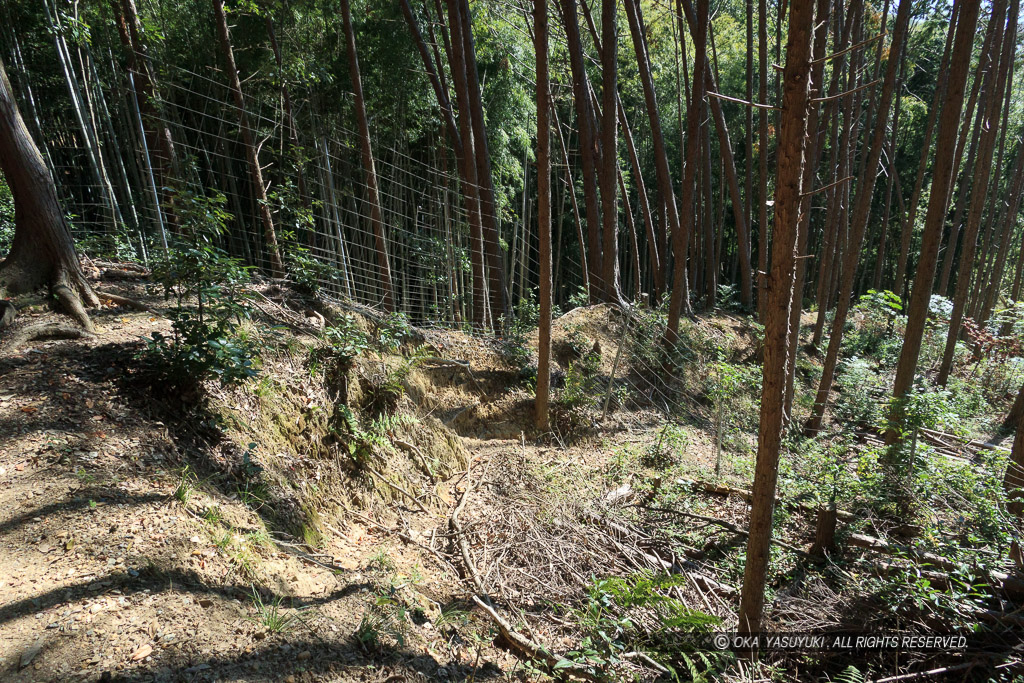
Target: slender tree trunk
[(762, 160), (369, 168), (983, 76), (813, 157), (588, 147), (935, 217), (255, 171), (571, 191), (540, 27), (497, 285), (779, 293), (609, 153), (979, 191), (679, 300), (731, 176), (1008, 220), (922, 165), (861, 213), (657, 272)]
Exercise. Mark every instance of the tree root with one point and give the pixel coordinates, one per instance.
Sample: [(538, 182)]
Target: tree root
[(124, 301), (46, 331), (72, 304)]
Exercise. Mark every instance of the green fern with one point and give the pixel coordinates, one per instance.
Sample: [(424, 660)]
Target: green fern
[(850, 674)]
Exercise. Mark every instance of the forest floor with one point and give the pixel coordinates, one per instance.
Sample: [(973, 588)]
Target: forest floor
[(107, 572), (134, 545)]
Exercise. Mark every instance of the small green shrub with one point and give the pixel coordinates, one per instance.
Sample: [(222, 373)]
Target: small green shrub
[(858, 404), (340, 345), (198, 351), (637, 613)]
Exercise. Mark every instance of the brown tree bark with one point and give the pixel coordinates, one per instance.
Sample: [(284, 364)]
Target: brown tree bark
[(609, 154), (935, 217), (585, 121), (158, 134), (861, 213), (369, 168), (252, 156), (979, 181), (813, 157), (739, 208), (497, 285), (922, 165), (43, 252), (762, 159), (984, 75), (1008, 220), (779, 294), (680, 228), (1013, 479), (460, 137), (540, 27)]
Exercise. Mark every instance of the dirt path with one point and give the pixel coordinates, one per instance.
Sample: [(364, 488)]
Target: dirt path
[(106, 575)]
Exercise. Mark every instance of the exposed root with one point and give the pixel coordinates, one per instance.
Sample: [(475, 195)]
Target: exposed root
[(8, 312), (45, 331), (124, 301), (72, 304)]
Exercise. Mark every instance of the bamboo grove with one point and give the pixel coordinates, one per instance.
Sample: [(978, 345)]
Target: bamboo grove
[(463, 160)]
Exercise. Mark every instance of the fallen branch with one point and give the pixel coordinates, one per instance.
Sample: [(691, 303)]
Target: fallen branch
[(122, 274), (925, 674), (410, 448), (396, 487), (520, 643), (722, 523), (530, 649), (674, 567), (456, 527), (882, 546), (724, 490)]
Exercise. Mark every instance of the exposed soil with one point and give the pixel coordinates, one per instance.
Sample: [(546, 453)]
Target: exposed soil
[(130, 554)]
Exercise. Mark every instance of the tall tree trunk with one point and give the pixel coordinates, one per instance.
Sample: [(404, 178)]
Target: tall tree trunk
[(1008, 220), (979, 181), (779, 293), (922, 165), (861, 213), (731, 176), (762, 160), (679, 300), (609, 153), (984, 76), (43, 252), (588, 147), (540, 27), (255, 171), (460, 135), (497, 285), (369, 168), (942, 173), (812, 159)]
